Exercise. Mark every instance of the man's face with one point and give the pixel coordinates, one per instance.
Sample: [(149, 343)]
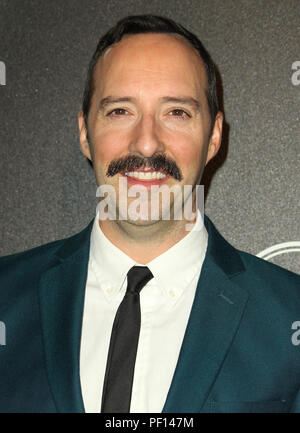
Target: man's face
[(150, 100)]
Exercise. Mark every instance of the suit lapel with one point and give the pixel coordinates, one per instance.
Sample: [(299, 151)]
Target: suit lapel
[(214, 319), (62, 289)]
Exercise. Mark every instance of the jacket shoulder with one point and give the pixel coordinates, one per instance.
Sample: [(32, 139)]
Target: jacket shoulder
[(19, 268), (271, 287), (258, 276), (264, 269), (234, 261), (30, 254)]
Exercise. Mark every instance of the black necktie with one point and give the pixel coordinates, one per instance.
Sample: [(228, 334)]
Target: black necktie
[(119, 372)]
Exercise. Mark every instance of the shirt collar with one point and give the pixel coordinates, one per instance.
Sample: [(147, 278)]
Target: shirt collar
[(173, 270), (109, 263)]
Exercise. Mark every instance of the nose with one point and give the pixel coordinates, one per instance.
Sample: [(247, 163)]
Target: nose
[(145, 140)]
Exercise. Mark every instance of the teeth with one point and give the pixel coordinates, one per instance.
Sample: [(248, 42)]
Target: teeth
[(144, 175)]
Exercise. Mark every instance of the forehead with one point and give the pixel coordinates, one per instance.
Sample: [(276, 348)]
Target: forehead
[(151, 59)]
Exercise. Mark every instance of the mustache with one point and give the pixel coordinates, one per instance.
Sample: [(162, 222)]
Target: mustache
[(154, 162)]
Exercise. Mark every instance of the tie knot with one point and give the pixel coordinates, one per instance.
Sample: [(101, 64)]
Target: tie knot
[(137, 278)]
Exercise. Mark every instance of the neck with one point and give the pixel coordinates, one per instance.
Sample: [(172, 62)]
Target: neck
[(144, 242)]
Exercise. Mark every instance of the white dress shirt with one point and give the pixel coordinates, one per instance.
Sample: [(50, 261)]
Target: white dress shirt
[(166, 302)]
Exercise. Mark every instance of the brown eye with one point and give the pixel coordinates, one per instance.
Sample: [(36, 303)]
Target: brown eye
[(179, 113), (117, 112)]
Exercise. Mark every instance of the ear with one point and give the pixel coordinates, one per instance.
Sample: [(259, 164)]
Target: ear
[(84, 144), (215, 138)]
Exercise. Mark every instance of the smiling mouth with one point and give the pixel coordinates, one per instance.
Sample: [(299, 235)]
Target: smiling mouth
[(145, 176)]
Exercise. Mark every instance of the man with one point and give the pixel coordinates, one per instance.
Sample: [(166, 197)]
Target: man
[(209, 328)]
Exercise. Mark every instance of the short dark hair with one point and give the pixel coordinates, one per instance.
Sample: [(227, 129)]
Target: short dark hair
[(136, 24)]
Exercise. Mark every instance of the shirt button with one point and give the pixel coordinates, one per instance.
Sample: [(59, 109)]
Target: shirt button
[(109, 291), (171, 293)]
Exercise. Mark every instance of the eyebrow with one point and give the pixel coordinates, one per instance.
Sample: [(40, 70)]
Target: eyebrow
[(112, 100), (194, 103), (197, 106)]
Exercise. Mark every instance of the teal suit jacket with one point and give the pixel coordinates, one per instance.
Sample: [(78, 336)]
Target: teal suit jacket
[(237, 354)]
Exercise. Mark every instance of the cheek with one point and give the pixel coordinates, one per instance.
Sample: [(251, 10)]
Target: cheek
[(189, 153), (108, 146)]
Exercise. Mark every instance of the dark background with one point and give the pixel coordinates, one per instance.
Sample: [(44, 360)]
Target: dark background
[(48, 190)]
